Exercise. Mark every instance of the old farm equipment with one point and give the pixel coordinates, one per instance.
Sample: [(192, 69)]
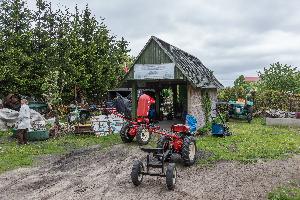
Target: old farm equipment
[(240, 110), (180, 140), (219, 127), (141, 128), (139, 169)]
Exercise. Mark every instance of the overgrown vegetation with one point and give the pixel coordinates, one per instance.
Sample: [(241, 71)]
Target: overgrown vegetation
[(75, 49), (251, 142), (278, 88), (13, 155), (206, 104)]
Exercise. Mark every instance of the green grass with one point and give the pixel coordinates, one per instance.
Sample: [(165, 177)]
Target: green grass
[(13, 156), (251, 142), (285, 193)]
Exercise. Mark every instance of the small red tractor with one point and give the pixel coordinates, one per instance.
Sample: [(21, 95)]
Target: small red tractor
[(180, 141), (142, 128)]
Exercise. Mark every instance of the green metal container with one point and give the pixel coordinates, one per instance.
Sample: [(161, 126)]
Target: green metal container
[(37, 106), (34, 135)]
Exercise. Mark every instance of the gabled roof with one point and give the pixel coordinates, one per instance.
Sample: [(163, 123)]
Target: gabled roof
[(252, 78), (190, 66)]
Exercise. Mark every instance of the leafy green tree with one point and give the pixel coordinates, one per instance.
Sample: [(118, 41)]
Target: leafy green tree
[(240, 82), (15, 50), (279, 77), (79, 49)]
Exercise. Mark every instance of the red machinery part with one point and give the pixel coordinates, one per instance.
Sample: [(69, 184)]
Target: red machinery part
[(133, 130), (144, 105), (177, 144), (180, 128), (143, 120)]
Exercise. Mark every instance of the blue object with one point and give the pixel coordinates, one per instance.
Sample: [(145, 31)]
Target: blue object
[(217, 129), (152, 113), (191, 122)]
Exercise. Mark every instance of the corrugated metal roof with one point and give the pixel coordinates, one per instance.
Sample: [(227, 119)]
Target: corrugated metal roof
[(190, 66)]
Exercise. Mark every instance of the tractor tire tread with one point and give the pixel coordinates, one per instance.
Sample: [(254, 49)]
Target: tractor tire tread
[(123, 133), (169, 176), (136, 169), (186, 150)]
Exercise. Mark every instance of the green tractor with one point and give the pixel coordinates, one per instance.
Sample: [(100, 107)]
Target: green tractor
[(240, 110)]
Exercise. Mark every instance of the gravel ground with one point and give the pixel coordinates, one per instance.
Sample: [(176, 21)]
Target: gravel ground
[(94, 174)]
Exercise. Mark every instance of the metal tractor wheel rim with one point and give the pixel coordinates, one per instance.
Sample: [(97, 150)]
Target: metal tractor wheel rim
[(140, 177), (192, 151), (145, 135), (174, 176)]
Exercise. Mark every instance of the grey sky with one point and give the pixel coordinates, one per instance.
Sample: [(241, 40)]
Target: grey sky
[(230, 37)]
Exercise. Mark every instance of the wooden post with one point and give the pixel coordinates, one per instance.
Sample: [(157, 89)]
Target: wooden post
[(157, 102), (175, 94), (134, 100)]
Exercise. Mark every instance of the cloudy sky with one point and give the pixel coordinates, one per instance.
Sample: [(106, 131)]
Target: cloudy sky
[(230, 37)]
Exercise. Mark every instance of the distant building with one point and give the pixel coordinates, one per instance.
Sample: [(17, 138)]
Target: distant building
[(251, 79)]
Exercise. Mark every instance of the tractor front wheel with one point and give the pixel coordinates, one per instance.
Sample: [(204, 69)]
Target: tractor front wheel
[(189, 149), (126, 138), (171, 175), (143, 135), (136, 173)]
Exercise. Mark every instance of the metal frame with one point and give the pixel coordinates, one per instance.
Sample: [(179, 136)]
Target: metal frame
[(159, 164)]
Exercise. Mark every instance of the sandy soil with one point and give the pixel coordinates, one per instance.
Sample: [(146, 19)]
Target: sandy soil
[(94, 174)]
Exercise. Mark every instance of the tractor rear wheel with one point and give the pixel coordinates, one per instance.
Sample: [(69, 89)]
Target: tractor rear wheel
[(143, 135), (250, 114), (171, 175), (188, 152), (126, 138), (136, 176)]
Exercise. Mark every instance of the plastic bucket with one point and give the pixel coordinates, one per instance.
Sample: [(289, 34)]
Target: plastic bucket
[(217, 129)]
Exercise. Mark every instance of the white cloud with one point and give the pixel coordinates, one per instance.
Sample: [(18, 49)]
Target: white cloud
[(230, 37)]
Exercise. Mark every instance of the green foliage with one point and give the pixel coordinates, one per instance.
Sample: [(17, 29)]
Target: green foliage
[(279, 77), (279, 88), (35, 43), (232, 93), (271, 99), (240, 82), (206, 105), (285, 193), (251, 142), (51, 88), (205, 129), (13, 156)]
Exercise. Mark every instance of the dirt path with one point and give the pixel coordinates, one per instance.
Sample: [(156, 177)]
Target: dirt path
[(92, 174)]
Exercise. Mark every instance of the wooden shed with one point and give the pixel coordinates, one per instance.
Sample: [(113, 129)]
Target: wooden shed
[(161, 65)]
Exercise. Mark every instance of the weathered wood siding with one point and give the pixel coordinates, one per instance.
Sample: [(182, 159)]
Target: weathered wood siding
[(153, 54)]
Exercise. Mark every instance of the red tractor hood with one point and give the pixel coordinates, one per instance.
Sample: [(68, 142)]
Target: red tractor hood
[(144, 105)]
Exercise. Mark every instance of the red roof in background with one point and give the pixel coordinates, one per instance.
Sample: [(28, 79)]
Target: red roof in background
[(251, 78)]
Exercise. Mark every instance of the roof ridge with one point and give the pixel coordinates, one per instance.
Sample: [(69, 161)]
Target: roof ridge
[(176, 48), (189, 64)]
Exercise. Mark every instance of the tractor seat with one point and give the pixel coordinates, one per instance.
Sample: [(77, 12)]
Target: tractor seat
[(151, 150)]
